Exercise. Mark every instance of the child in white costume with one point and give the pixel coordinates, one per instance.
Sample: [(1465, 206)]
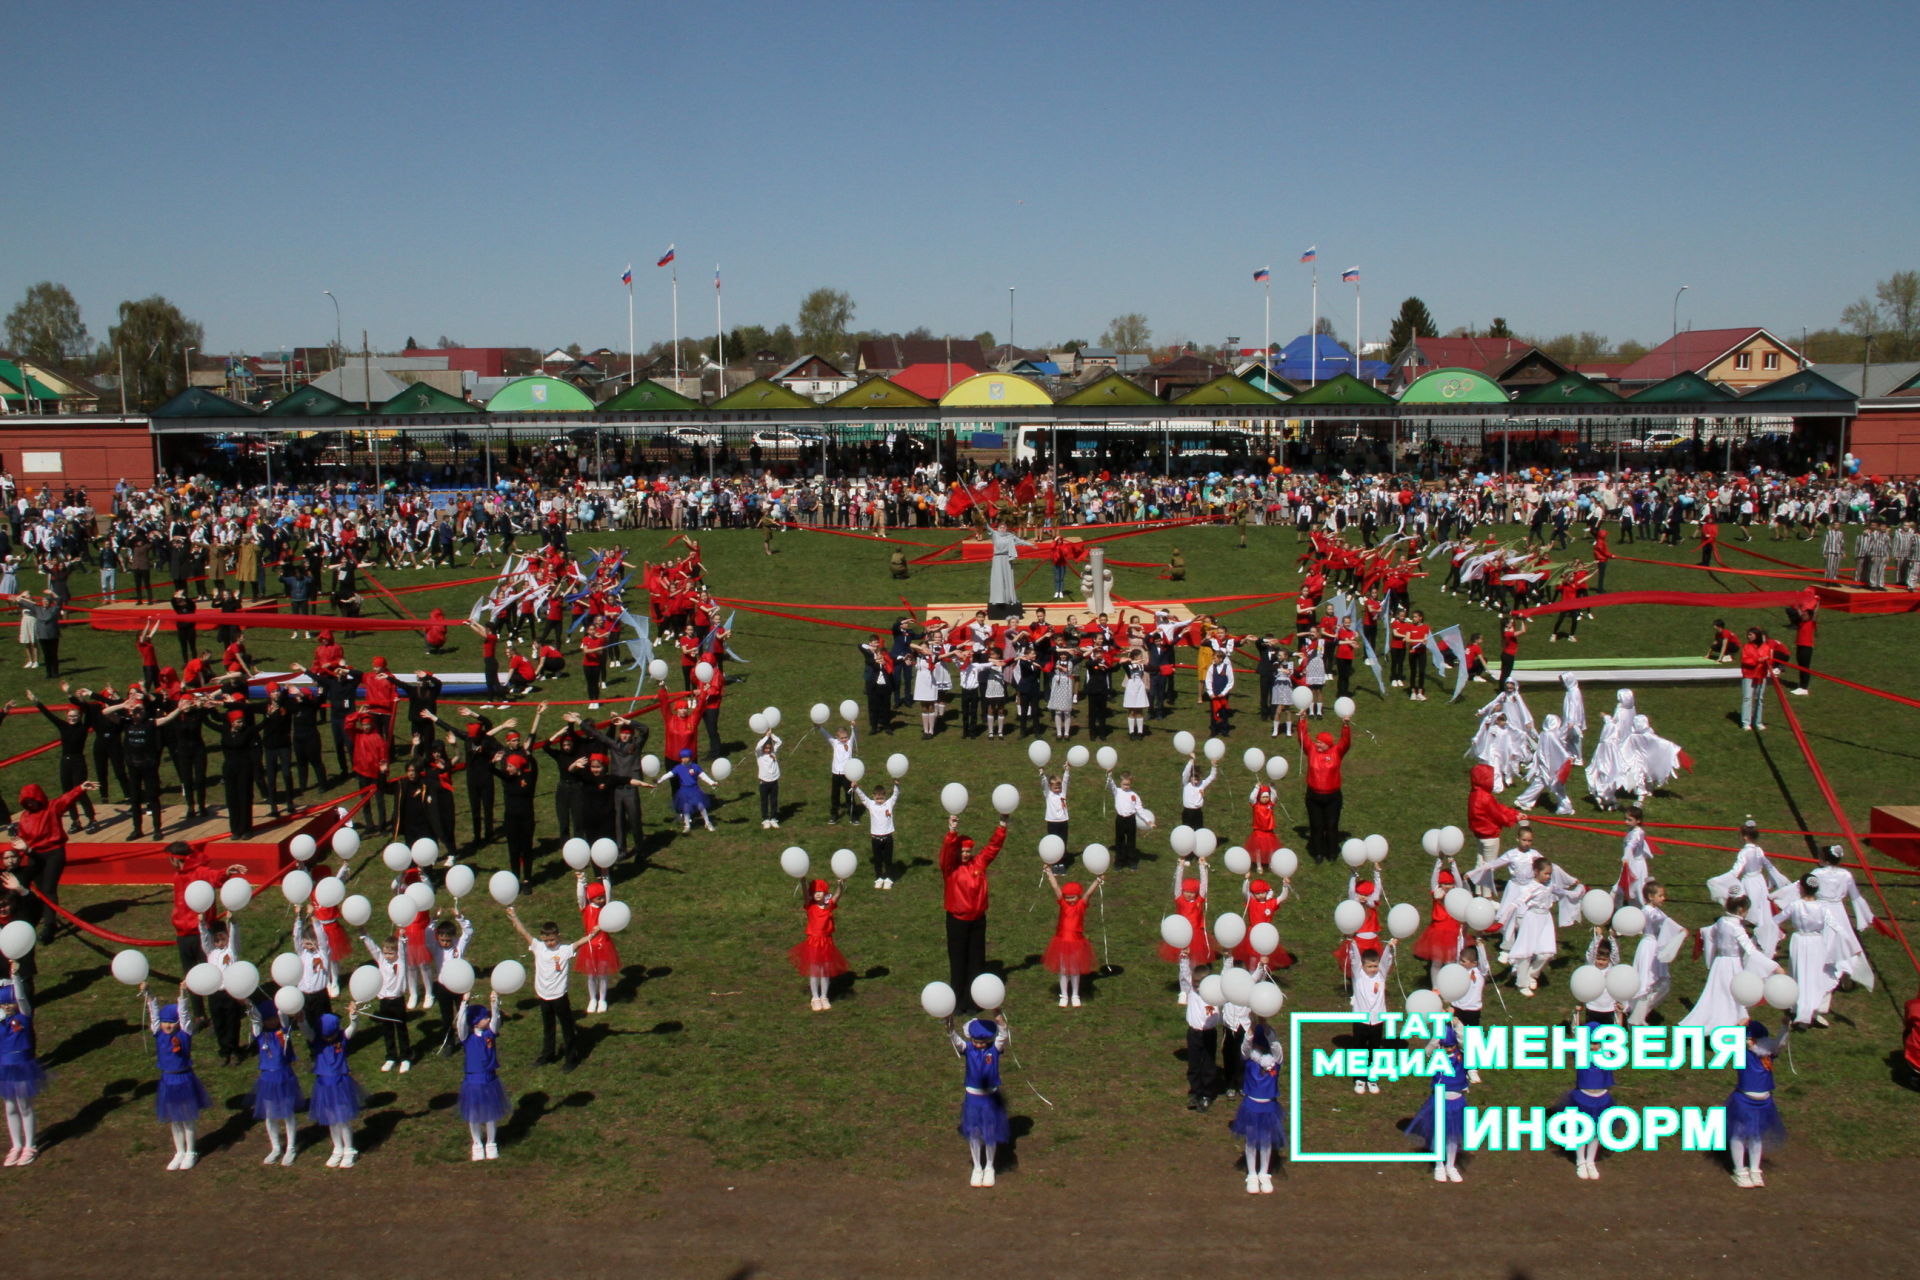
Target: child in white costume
[(1654, 955), (1755, 879), (1729, 950), (1549, 768), (1837, 890), (1535, 940)]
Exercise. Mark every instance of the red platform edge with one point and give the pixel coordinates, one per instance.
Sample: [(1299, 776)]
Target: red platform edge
[(1895, 831), (1863, 600), (264, 854)]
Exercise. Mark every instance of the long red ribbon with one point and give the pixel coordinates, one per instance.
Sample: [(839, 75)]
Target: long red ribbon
[(135, 619), (1695, 599), (1863, 688)]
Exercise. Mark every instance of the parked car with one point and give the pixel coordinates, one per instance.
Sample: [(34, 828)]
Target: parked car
[(687, 437), (777, 439)]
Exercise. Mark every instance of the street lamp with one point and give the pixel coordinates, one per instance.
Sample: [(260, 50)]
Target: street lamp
[(1673, 348), (186, 368), (336, 327), (1010, 315)]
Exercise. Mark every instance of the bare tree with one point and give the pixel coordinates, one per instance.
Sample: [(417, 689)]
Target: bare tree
[(825, 316), (1128, 333), (46, 325)]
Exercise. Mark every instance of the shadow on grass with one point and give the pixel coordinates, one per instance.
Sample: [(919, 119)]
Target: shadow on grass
[(112, 1097), (98, 1036), (533, 1106), (376, 1126)]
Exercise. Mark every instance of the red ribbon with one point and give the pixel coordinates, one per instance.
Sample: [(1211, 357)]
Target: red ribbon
[(95, 929), (1695, 599), (135, 619), (1863, 688)]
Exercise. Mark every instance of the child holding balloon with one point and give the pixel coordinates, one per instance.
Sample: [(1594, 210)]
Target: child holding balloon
[(1263, 903), (1369, 1002), (1260, 1121), (181, 1097), (816, 956), (318, 977), (1264, 839), (21, 1076), (483, 1099), (983, 1114), (447, 942), (277, 1099), (599, 960), (880, 804), (391, 1009), (1453, 1082), (1193, 791), (337, 1096), (1753, 1117), (1069, 956), (1053, 793), (1190, 904)]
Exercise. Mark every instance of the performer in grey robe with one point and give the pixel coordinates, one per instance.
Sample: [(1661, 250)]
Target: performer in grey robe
[(1003, 596)]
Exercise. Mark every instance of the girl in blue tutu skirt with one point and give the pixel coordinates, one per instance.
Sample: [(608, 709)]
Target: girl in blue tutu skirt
[(181, 1097), (1452, 1079), (337, 1096), (1260, 1121), (983, 1114), (276, 1091), (21, 1076), (1753, 1117), (483, 1099)]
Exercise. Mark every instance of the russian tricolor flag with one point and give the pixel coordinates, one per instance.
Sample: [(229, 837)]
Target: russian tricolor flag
[(626, 277), (665, 258), (1313, 251), (1262, 274), (1351, 275)]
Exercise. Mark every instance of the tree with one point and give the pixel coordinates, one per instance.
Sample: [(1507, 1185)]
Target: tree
[(445, 343), (1413, 321), (825, 316), (152, 339), (1584, 347), (1861, 318), (919, 331), (1128, 333), (46, 326), (1899, 298), (1324, 327), (411, 344), (1629, 351), (985, 339), (1498, 329)]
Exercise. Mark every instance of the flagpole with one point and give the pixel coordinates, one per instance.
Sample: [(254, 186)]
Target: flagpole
[(1313, 373), (1356, 328), (719, 332), (1266, 349), (629, 326), (676, 328)]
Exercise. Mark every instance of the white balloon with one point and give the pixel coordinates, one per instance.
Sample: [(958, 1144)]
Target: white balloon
[(1349, 916), (199, 896), (1052, 849), (1077, 756), (1452, 841), (1205, 842), (1597, 906), (1263, 938), (819, 714), (1430, 841), (1266, 999), (1452, 982), (17, 939), (1302, 697), (577, 853), (1039, 751), (1181, 838), (773, 717), (425, 852), (757, 724), (397, 856), (1780, 991), (722, 769), (1006, 798), (1284, 863), (1211, 992), (129, 966), (285, 969), (290, 1001), (794, 861), (1423, 1001), (1343, 707), (988, 992), (897, 765), (402, 910), (1229, 929), (657, 669), (849, 710), (240, 979), (1106, 757), (1183, 743), (302, 847), (1237, 861), (508, 977), (1458, 902), (650, 765), (420, 893), (346, 842), (203, 979), (843, 864), (1623, 982), (702, 672), (615, 917), (1253, 759), (1749, 989), (938, 1000), (504, 887), (1353, 852), (236, 893), (1404, 920), (457, 976), (604, 853), (953, 798), (1277, 767), (1236, 986), (297, 886), (1176, 932), (855, 770), (459, 881), (329, 891), (355, 910), (1482, 914), (1214, 750), (1587, 983), (1376, 846), (1629, 922), (1096, 859), (363, 984)]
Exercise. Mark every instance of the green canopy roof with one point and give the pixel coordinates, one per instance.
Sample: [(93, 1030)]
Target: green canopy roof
[(539, 394), (1227, 389), (1270, 382), (1110, 389), (1453, 386), (1683, 388), (1342, 388), (198, 402), (310, 402), (1804, 385), (421, 398), (1573, 388), (16, 384), (761, 394), (648, 396), (879, 393)]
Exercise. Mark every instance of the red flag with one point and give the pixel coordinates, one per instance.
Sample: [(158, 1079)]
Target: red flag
[(992, 496), (1023, 492), (958, 501)]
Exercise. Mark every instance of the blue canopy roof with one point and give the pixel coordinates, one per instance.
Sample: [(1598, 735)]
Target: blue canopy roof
[(1296, 362)]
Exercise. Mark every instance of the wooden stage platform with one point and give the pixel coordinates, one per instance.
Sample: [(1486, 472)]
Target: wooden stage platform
[(113, 855), (1056, 611), (1867, 600), (1894, 829)]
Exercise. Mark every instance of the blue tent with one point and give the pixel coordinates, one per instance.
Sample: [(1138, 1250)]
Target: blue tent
[(1295, 362)]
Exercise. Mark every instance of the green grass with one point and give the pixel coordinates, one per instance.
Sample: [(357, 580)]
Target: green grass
[(710, 1042)]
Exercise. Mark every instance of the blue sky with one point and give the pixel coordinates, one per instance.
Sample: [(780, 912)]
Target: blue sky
[(485, 170)]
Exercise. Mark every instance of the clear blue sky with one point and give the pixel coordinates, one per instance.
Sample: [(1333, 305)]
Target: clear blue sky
[(485, 170)]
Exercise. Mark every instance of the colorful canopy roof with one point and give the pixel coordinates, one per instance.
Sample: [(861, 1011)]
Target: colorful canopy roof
[(1453, 386), (539, 394), (648, 396)]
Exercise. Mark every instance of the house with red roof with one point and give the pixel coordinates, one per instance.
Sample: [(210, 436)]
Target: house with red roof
[(1514, 364), (1738, 359), (933, 380)]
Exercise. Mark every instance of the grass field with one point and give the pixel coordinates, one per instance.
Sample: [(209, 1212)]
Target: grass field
[(710, 1044)]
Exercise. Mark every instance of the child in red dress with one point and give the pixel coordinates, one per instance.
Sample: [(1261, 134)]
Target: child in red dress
[(1440, 943), (1190, 902), (817, 956), (598, 960), (1068, 953), (1262, 904), (1262, 843)]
